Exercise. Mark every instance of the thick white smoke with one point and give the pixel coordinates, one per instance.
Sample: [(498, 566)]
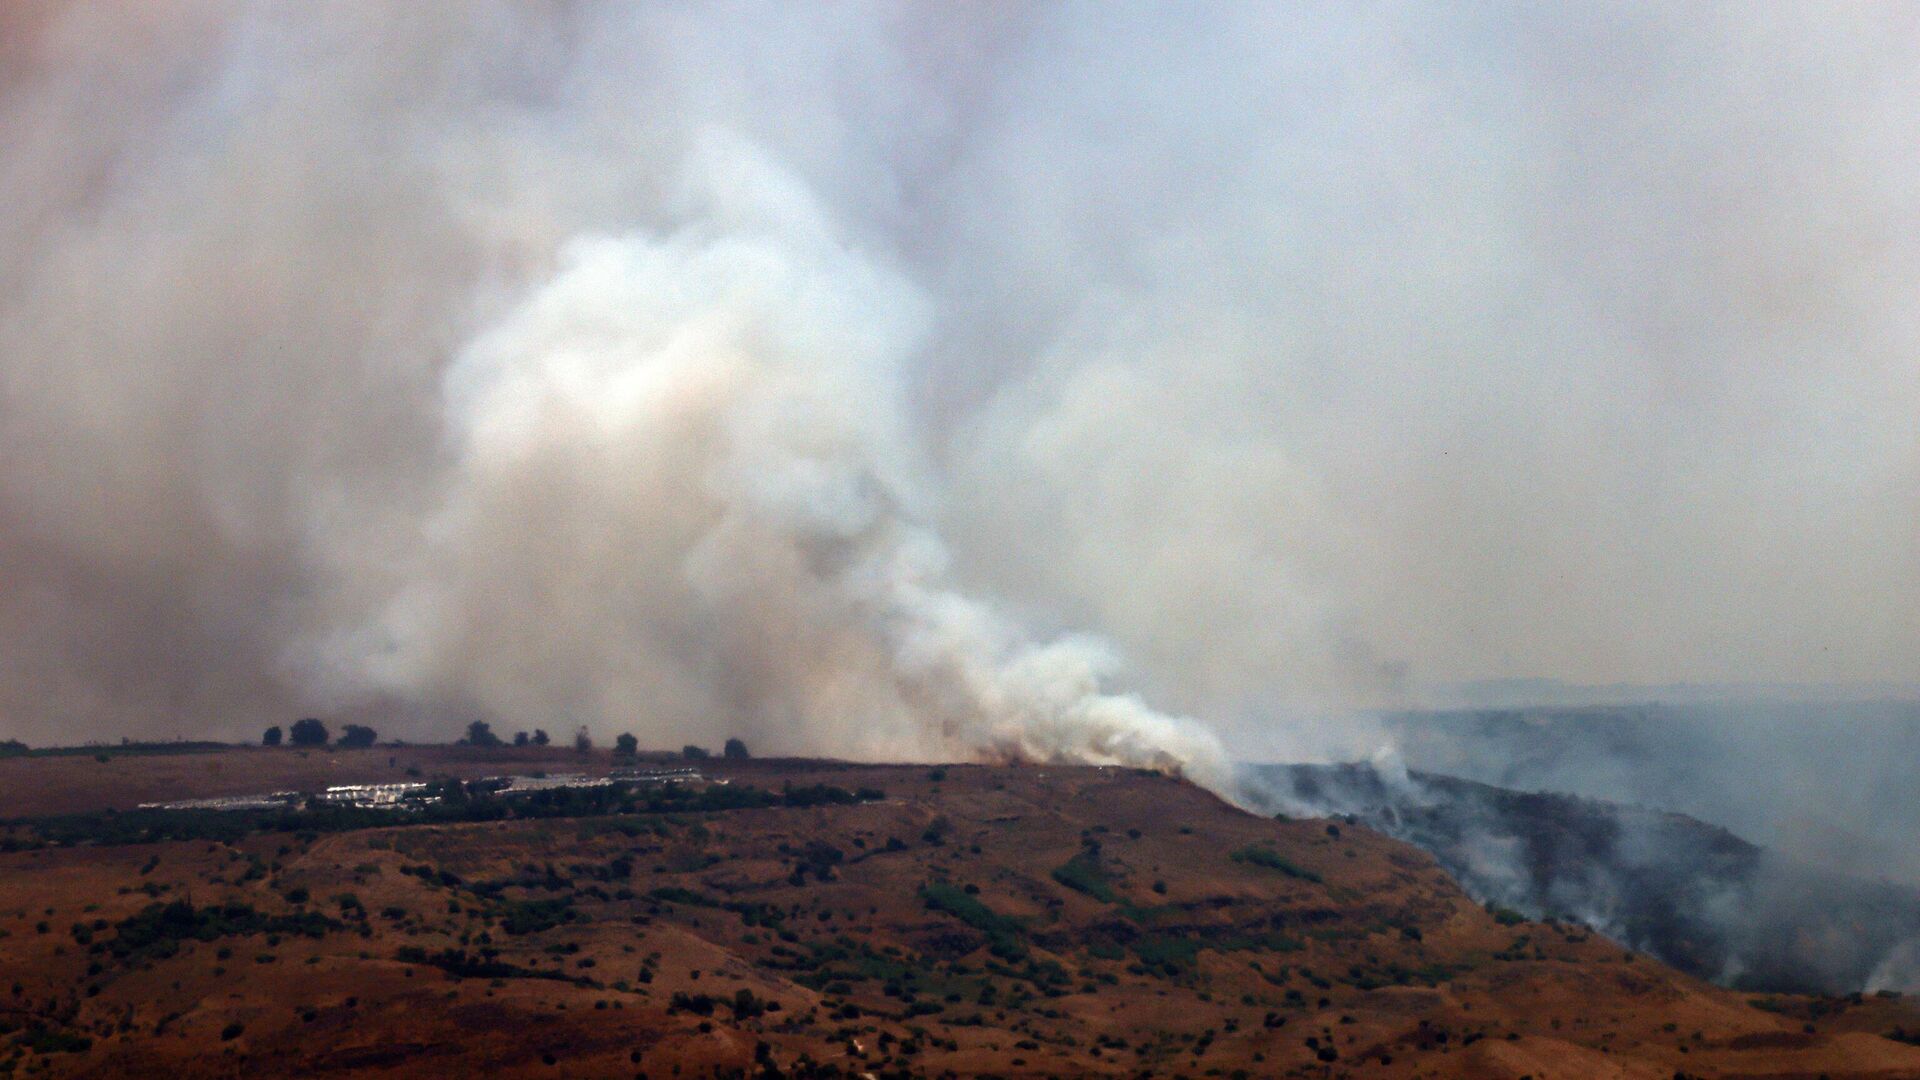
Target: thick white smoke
[(683, 489)]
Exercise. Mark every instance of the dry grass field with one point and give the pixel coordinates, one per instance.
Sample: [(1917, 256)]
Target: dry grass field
[(956, 921)]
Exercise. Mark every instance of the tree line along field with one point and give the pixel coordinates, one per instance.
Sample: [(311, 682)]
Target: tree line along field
[(823, 919)]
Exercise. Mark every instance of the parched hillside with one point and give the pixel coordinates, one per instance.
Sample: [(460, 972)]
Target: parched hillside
[(966, 920)]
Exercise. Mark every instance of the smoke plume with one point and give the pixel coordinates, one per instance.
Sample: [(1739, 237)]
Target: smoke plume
[(877, 379), (681, 482)]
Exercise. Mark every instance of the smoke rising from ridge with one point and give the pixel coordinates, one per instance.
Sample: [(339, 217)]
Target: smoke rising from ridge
[(805, 374), (712, 419)]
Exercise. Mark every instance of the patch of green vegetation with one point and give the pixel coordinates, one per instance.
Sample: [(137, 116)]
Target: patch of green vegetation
[(464, 965), (1400, 975), (157, 930), (844, 962), (1150, 916), (532, 916), (752, 914), (1083, 874), (1269, 941), (1167, 953), (1256, 855), (1505, 916), (1006, 937)]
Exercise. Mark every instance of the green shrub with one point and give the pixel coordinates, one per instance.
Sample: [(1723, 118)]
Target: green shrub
[(157, 929), (462, 965), (1083, 873), (1005, 936), (533, 916), (1255, 855), (1166, 952), (1505, 916)]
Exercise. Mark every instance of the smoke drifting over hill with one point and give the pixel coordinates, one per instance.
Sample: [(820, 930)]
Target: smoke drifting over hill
[(1693, 895), (818, 375)]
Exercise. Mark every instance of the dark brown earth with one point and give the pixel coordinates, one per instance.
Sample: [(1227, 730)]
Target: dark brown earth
[(836, 938)]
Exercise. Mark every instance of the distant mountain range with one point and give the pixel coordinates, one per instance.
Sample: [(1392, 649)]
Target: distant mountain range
[(1524, 692)]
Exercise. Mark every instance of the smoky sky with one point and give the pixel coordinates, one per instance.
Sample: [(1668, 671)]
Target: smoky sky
[(798, 370)]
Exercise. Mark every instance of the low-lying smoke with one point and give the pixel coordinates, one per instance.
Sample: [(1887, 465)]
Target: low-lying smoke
[(1690, 893)]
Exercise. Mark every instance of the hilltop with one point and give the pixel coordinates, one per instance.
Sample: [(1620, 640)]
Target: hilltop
[(820, 918)]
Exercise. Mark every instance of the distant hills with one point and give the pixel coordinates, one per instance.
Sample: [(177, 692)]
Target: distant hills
[(1525, 692), (1692, 894)]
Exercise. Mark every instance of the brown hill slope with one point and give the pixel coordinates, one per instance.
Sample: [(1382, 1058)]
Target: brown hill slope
[(1023, 921)]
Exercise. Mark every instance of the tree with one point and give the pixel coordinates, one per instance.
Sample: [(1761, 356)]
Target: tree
[(694, 753), (449, 790), (626, 745), (272, 737), (480, 733), (540, 737), (520, 738), (357, 736), (735, 750), (309, 732), (582, 741)]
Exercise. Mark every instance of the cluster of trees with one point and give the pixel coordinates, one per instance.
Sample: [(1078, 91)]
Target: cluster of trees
[(734, 750), (625, 745), (313, 732), (480, 733)]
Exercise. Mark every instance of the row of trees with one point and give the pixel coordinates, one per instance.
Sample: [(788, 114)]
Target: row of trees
[(312, 732), (480, 733), (626, 744), (734, 750)]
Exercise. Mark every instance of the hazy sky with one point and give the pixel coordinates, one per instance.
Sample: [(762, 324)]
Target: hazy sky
[(609, 362)]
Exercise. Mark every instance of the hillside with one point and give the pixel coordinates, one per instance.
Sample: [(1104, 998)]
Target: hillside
[(1691, 894), (893, 920)]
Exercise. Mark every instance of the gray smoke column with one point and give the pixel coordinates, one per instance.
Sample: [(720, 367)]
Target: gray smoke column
[(890, 379), (682, 486)]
